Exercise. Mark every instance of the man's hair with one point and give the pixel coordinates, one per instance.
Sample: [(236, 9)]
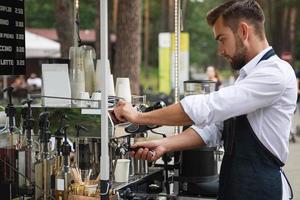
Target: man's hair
[(233, 11)]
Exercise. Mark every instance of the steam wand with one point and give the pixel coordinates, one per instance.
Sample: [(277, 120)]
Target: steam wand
[(28, 121), (10, 110)]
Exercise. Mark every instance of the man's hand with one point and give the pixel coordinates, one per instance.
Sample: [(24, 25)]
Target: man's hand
[(125, 112), (153, 150), (149, 150)]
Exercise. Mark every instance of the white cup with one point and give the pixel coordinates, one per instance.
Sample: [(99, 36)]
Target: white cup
[(123, 89), (84, 95), (91, 189), (98, 75), (97, 97), (2, 118), (122, 170), (111, 86)]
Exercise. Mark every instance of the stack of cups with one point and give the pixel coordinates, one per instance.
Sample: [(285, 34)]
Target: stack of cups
[(123, 89), (109, 76), (85, 102)]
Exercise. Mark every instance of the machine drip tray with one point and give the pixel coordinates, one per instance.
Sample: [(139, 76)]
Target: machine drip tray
[(194, 198)]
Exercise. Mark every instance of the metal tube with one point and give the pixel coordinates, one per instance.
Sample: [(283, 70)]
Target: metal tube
[(177, 64), (177, 53), (104, 162), (77, 152), (65, 193), (45, 178)]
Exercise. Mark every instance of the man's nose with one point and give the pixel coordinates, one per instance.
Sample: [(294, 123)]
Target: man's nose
[(221, 51)]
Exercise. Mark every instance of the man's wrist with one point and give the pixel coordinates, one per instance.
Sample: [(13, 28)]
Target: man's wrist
[(165, 145), (138, 118)]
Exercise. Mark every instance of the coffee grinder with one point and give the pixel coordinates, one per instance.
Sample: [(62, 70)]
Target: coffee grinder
[(198, 174)]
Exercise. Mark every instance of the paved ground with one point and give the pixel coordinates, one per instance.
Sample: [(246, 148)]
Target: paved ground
[(292, 168)]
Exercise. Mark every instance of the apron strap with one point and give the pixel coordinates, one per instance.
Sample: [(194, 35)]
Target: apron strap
[(267, 55), (290, 187)]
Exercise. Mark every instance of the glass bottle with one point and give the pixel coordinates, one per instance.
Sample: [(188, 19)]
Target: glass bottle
[(77, 80), (89, 67)]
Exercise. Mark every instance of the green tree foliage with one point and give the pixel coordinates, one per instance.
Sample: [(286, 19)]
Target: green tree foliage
[(87, 14), (39, 13), (203, 47)]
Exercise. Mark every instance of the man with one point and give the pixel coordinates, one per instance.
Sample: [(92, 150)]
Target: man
[(252, 117)]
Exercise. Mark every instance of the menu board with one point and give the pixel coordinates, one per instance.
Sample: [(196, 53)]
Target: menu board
[(12, 37)]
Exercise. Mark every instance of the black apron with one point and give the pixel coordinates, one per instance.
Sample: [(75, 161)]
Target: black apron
[(249, 170)]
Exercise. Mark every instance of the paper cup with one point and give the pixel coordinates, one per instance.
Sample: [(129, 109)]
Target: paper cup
[(123, 89), (98, 75), (122, 170), (96, 96), (91, 189), (111, 86), (84, 95)]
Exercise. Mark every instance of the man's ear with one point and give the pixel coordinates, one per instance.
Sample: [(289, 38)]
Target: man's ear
[(243, 30)]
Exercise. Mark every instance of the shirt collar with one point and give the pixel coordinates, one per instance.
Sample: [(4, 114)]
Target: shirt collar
[(253, 62)]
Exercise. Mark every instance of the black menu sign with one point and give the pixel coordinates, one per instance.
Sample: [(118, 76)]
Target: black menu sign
[(12, 37)]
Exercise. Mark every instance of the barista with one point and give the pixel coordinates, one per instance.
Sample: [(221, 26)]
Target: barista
[(252, 117)]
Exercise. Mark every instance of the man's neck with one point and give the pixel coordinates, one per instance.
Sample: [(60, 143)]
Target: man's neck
[(257, 47)]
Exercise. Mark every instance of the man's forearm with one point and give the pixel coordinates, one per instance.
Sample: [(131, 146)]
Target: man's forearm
[(188, 139), (172, 115)]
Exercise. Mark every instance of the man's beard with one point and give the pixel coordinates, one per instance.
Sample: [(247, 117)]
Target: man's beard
[(238, 60)]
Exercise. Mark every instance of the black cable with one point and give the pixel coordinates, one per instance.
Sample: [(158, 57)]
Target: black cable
[(27, 178), (155, 132), (290, 187), (78, 29)]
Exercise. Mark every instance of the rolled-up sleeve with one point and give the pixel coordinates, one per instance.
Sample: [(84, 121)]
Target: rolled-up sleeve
[(211, 135), (261, 88)]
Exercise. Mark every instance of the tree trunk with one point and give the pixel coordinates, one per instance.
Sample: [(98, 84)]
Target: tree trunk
[(293, 30), (128, 47), (171, 16), (64, 25), (165, 15), (146, 32), (114, 16), (269, 17), (282, 25), (97, 30), (185, 5)]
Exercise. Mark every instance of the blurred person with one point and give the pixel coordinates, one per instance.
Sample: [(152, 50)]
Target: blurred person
[(20, 88), (34, 81), (213, 75), (19, 83), (252, 117)]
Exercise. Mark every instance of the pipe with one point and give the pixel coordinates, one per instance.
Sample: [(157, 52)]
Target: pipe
[(104, 160)]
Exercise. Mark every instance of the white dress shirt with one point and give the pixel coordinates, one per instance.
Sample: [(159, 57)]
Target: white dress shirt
[(266, 92)]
